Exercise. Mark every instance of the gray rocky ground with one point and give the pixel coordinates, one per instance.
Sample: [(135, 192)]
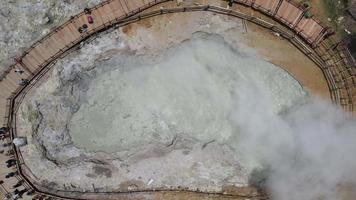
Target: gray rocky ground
[(141, 109), (22, 22)]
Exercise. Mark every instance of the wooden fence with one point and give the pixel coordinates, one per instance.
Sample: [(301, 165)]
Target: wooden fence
[(308, 35)]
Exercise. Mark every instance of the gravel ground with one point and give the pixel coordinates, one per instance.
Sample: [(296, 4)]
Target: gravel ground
[(24, 22)]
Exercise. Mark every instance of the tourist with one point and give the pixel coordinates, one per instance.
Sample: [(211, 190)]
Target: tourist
[(90, 19), (87, 11), (11, 174), (18, 184), (16, 194), (10, 165), (30, 192), (23, 82), (19, 71), (80, 30), (3, 130), (231, 3), (10, 161), (21, 192), (85, 27)]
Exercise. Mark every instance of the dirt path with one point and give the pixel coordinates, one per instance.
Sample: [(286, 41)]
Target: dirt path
[(280, 52)]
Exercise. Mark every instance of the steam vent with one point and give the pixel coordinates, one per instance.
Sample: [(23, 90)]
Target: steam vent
[(177, 99)]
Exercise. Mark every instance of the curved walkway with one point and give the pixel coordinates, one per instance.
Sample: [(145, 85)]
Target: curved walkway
[(308, 35)]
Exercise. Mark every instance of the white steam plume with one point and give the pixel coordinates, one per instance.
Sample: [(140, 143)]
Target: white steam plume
[(304, 153)]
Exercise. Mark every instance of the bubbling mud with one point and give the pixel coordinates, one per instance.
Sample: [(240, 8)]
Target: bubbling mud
[(192, 92)]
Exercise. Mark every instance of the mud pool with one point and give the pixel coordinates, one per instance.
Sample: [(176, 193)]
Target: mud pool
[(191, 92), (123, 114)]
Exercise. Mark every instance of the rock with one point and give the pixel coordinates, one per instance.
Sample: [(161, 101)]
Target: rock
[(5, 12), (24, 22)]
